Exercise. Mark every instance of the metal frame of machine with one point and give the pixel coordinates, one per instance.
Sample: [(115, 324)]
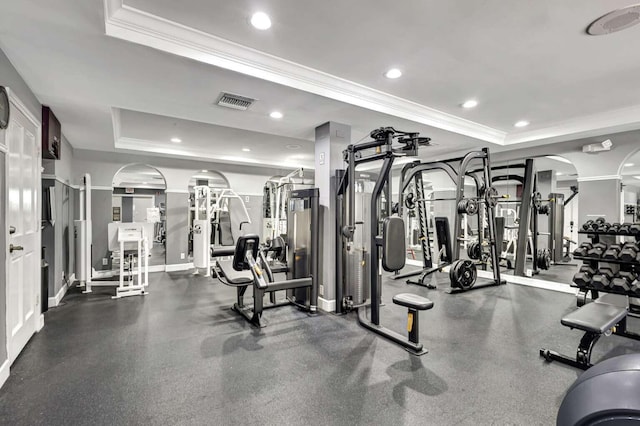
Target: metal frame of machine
[(380, 148), (462, 272)]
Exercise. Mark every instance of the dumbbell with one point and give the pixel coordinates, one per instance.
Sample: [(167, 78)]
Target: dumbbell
[(624, 228), (582, 250), (598, 250), (583, 277), (628, 253), (604, 227), (600, 281), (612, 252), (623, 280), (614, 228), (600, 220), (634, 229), (608, 271), (587, 225), (635, 287)]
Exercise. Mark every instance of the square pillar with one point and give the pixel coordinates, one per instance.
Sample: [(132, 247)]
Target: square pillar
[(331, 139)]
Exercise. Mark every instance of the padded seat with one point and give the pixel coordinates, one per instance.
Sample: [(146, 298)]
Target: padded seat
[(217, 251), (412, 301), (595, 317), (232, 276), (618, 300)]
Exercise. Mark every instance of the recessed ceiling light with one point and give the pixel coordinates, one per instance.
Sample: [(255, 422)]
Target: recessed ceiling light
[(471, 103), (276, 115), (261, 21), (246, 149), (559, 173), (176, 140), (521, 123), (203, 171), (637, 177), (393, 73), (145, 183), (628, 164), (293, 146)]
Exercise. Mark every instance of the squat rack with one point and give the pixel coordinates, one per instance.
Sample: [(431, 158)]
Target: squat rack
[(413, 172)]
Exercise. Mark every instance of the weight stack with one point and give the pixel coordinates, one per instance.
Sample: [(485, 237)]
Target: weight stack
[(357, 277)]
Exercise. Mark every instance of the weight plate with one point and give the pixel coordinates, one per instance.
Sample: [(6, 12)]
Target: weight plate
[(536, 200), (463, 274), (491, 196), (472, 206)]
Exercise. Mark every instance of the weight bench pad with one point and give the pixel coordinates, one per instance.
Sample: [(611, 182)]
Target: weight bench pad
[(595, 317), (232, 276), (222, 251), (412, 301)]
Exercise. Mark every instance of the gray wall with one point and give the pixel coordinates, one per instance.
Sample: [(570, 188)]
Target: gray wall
[(101, 204), (177, 172), (177, 227), (10, 78), (3, 262)]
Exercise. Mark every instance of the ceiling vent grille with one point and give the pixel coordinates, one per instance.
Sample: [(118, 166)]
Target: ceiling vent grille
[(229, 100)]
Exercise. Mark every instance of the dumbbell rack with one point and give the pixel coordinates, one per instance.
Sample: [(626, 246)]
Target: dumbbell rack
[(594, 263)]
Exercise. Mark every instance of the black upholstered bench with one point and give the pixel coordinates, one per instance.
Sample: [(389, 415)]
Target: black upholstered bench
[(231, 276), (415, 304), (595, 319)]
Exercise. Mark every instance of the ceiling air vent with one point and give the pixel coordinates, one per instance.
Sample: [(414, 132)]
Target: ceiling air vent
[(229, 100)]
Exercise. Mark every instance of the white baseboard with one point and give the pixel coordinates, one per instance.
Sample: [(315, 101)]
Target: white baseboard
[(532, 282), (179, 267), (4, 372), (55, 300), (40, 323), (326, 305)]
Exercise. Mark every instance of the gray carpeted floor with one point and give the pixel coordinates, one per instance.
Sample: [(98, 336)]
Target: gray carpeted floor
[(180, 356)]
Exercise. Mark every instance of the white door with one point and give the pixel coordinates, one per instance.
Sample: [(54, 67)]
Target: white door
[(23, 259)]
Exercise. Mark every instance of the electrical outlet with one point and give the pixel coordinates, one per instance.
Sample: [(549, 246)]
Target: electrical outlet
[(182, 256), (105, 261), (246, 199)]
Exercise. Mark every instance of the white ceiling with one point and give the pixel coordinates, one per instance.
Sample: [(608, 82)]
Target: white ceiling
[(520, 60)]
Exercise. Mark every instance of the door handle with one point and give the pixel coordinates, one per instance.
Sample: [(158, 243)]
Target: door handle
[(13, 248), (12, 230)]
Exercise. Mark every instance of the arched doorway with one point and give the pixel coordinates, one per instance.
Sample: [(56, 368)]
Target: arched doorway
[(139, 195)]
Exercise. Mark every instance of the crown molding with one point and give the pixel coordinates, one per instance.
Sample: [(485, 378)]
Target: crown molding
[(615, 121), (599, 178), (147, 146), (137, 26)]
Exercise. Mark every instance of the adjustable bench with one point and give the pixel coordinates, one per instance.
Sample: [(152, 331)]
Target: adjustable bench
[(595, 319), (415, 304)]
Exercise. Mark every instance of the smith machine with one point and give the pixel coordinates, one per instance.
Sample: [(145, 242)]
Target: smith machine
[(462, 273)]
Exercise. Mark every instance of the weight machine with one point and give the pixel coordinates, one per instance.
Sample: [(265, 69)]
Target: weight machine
[(463, 273), (274, 208), (211, 220), (250, 265), (386, 242)]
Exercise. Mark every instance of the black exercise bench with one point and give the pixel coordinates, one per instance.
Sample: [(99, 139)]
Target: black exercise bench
[(415, 304), (606, 315), (244, 271)]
